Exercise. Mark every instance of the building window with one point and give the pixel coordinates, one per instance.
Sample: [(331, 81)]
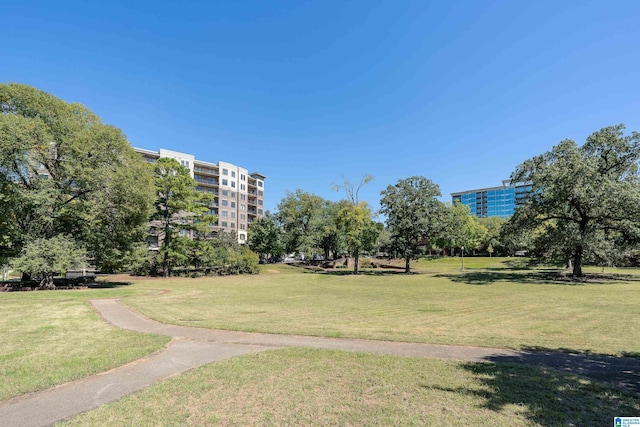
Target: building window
[(233, 174), (233, 214), (260, 201), (224, 202), (233, 204), (223, 224), (225, 182), (233, 225), (259, 183), (233, 184), (243, 177), (243, 217), (233, 194), (259, 211), (242, 206), (243, 187), (225, 172), (224, 213), (260, 193), (225, 192), (243, 197)]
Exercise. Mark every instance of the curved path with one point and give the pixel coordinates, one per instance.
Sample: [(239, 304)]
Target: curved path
[(193, 347)]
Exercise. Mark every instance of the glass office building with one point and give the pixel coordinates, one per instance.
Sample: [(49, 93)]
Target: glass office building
[(495, 201)]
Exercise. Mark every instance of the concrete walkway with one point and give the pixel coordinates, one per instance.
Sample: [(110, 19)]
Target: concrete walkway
[(193, 347)]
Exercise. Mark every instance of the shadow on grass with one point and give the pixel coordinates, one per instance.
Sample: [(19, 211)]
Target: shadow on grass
[(545, 277), (107, 285), (546, 395), (376, 272)]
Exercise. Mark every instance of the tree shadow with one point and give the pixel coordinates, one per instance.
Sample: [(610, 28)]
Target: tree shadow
[(539, 277), (107, 285), (367, 272), (621, 372), (545, 395)]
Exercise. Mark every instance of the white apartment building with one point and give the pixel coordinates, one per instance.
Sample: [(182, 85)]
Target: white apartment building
[(238, 194)]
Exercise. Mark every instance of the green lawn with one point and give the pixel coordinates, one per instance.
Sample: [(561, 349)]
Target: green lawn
[(49, 338), (329, 388), (52, 337), (486, 305)]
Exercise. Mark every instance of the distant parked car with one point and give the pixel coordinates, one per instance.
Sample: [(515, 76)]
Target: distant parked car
[(521, 253)]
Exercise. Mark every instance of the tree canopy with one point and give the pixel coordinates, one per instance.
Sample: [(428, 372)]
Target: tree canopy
[(64, 172), (413, 214), (582, 195), (180, 210)]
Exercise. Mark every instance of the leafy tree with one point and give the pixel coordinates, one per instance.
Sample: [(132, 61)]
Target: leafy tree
[(413, 214), (46, 257), (493, 226), (462, 230), (64, 172), (265, 236), (360, 231), (354, 220), (300, 214), (331, 240), (180, 210), (579, 194)]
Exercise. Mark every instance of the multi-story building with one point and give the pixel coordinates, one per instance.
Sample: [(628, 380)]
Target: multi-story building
[(494, 201), (238, 194)]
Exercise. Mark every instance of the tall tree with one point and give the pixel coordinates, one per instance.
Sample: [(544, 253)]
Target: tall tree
[(265, 236), (355, 221), (360, 231), (64, 172), (300, 214), (413, 214), (583, 192), (462, 230), (330, 239), (180, 210)]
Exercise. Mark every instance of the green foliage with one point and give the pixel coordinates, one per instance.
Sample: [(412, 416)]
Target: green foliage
[(64, 172), (491, 241), (241, 260), (360, 232), (265, 236), (462, 230), (413, 215), (582, 197), (300, 214), (330, 239), (179, 209), (46, 257)]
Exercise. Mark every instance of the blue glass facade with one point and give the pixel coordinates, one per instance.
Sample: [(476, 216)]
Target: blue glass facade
[(495, 201)]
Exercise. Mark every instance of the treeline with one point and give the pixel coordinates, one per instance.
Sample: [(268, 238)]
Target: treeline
[(73, 190), (417, 223)]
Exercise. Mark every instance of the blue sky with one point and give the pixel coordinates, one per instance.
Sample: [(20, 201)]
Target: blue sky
[(308, 92)]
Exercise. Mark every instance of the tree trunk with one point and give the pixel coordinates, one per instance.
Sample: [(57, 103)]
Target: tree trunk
[(25, 277), (47, 282), (577, 261), (166, 272), (407, 267), (355, 261)]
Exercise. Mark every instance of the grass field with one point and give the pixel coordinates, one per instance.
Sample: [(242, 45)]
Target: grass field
[(329, 388), (49, 338), (486, 305), (52, 337)]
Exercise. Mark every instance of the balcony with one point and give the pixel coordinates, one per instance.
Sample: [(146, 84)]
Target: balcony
[(206, 180), (206, 171)]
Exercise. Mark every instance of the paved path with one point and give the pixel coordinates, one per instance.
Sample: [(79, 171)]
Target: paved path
[(192, 347)]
